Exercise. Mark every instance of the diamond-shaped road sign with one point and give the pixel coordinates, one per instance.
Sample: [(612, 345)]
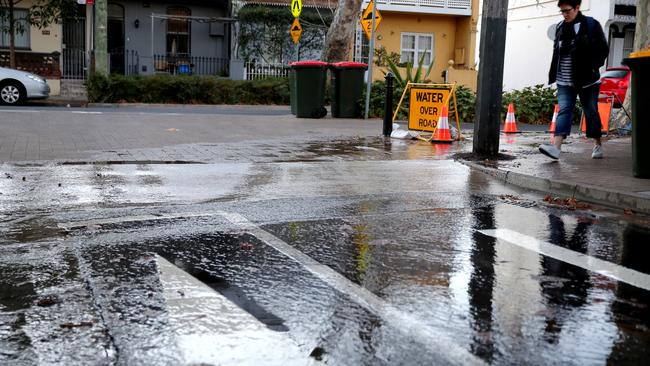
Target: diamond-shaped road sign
[(296, 30), (366, 19), (296, 7)]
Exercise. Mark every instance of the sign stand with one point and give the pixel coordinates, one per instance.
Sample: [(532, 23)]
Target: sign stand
[(425, 110)]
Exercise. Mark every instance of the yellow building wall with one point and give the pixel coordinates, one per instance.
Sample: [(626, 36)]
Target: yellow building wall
[(442, 27)]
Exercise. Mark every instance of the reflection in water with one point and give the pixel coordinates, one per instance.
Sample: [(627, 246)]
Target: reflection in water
[(564, 285), (481, 284), (631, 310)]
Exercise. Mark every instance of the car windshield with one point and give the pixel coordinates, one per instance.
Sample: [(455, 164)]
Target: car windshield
[(615, 74)]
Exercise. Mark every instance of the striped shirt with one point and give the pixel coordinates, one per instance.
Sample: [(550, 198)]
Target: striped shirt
[(564, 71)]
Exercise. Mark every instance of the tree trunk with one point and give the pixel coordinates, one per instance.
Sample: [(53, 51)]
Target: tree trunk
[(641, 40), (12, 36), (341, 32)]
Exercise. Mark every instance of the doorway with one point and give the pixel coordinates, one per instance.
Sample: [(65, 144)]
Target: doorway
[(115, 38)]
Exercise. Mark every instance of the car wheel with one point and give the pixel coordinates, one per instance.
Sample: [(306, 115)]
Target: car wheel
[(12, 93)]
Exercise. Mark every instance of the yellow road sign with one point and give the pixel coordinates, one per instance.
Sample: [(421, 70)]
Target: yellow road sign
[(425, 107), (296, 7), (366, 19), (296, 30)]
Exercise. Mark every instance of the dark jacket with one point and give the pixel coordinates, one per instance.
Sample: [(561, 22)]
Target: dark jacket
[(589, 55)]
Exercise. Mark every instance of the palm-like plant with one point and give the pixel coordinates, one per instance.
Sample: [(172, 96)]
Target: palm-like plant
[(419, 76)]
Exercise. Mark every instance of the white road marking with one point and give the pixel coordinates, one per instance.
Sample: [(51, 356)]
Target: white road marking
[(611, 270), (124, 219), (210, 329), (86, 112), (406, 322)]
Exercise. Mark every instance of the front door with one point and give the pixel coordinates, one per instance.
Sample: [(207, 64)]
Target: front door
[(73, 61), (115, 41)]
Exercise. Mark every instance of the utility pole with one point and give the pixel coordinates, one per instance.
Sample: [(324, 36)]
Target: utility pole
[(101, 45), (490, 77)]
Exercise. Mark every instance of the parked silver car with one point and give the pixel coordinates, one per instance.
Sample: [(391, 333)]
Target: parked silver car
[(17, 86)]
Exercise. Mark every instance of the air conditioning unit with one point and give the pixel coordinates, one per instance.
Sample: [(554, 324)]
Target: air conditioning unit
[(217, 29)]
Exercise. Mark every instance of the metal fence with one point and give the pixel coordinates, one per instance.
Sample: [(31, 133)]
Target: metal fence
[(255, 71), (124, 62), (189, 65), (73, 63)]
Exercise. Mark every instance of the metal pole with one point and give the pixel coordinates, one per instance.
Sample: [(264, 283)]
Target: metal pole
[(371, 52), (152, 41), (388, 105)]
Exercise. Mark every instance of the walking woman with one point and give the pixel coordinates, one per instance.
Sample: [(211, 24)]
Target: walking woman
[(579, 50)]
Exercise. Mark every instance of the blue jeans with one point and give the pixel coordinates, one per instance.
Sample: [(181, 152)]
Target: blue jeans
[(566, 96)]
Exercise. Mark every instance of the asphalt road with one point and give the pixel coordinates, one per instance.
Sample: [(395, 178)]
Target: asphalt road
[(331, 246)]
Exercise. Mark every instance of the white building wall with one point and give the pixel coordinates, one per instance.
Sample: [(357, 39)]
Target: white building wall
[(529, 46)]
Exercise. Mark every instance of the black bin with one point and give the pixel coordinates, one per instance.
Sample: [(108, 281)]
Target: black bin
[(347, 88), (308, 94), (639, 63)]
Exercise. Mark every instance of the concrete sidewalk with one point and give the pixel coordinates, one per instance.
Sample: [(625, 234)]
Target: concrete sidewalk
[(607, 181)]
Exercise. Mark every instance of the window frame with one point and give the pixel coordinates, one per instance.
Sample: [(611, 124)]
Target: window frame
[(26, 35), (416, 50), (188, 34)]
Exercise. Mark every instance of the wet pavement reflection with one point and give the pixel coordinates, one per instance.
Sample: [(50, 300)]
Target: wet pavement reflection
[(150, 269)]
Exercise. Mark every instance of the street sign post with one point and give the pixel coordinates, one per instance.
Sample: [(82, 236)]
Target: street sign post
[(296, 30), (296, 8)]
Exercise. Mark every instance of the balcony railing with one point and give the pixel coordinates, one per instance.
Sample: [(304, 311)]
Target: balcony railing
[(452, 7)]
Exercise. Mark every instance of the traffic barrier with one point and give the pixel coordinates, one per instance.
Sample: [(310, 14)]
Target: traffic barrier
[(605, 112), (442, 133), (510, 125)]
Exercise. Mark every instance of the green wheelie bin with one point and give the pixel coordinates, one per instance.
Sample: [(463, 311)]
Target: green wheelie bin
[(639, 63), (347, 88), (309, 88)]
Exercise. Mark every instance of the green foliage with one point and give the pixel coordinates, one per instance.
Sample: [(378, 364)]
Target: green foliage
[(264, 33), (466, 102), (418, 77), (186, 90), (377, 98), (383, 58), (533, 105)]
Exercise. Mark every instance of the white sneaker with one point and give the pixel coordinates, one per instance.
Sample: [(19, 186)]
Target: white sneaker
[(597, 152), (550, 150)]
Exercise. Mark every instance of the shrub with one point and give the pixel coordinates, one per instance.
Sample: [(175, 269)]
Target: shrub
[(186, 90)]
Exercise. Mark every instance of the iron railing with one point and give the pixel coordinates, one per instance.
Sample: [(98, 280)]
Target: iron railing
[(189, 65), (124, 62), (255, 70), (74, 64)]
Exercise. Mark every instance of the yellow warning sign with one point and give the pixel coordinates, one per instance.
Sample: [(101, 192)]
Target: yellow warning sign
[(296, 30), (425, 107), (366, 19), (296, 7)]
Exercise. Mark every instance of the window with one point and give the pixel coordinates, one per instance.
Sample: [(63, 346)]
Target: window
[(178, 32), (21, 38), (419, 43)]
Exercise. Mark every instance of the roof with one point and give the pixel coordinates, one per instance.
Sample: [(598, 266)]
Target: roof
[(326, 4)]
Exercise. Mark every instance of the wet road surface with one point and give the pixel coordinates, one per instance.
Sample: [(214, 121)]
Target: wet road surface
[(341, 261)]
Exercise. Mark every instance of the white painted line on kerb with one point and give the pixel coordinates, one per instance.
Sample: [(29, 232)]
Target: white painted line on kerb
[(407, 323), (611, 270), (18, 111)]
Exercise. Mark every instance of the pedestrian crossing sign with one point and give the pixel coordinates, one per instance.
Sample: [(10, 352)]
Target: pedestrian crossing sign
[(296, 30), (296, 7), (366, 19)]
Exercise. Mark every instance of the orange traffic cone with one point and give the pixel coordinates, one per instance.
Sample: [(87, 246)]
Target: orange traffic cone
[(510, 124), (442, 133), (554, 119)]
